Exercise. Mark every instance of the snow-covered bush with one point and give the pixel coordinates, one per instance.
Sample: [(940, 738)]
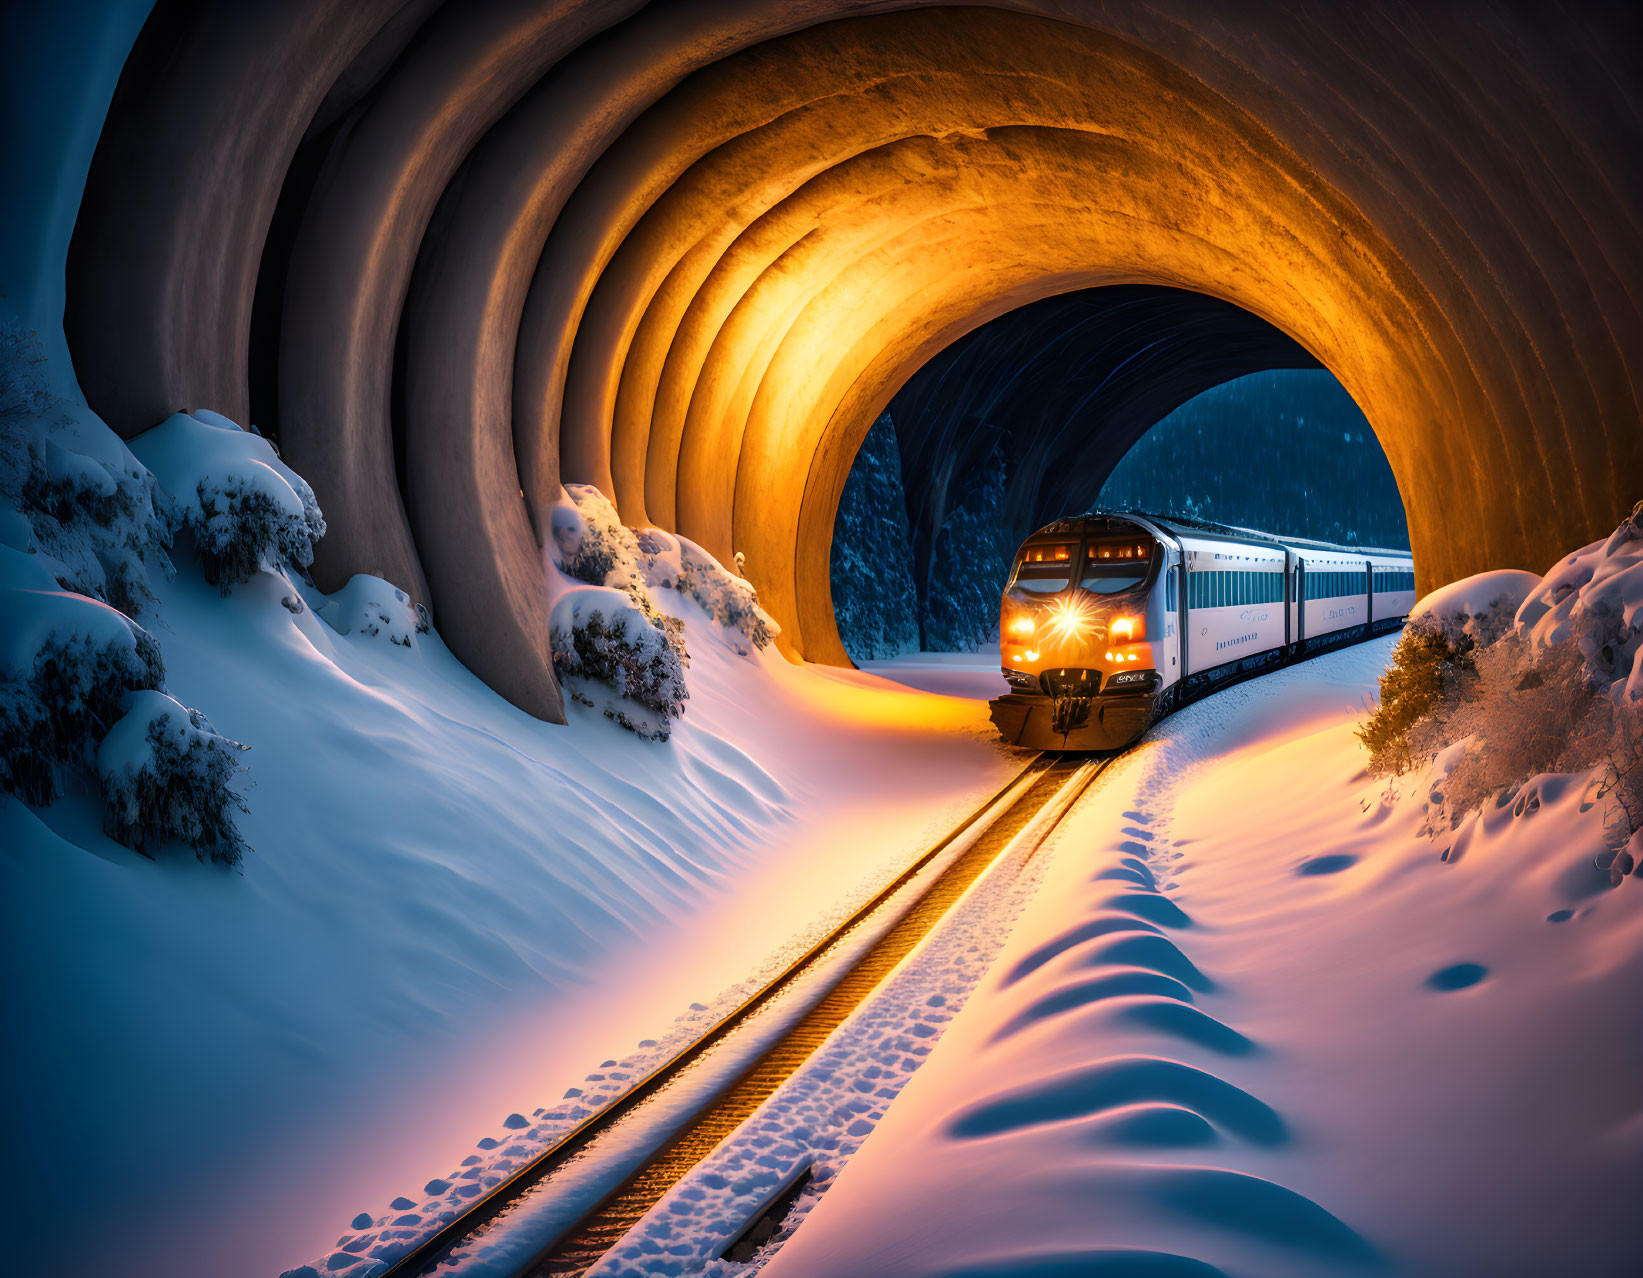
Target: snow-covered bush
[(373, 607), (73, 672), (1503, 676), (1594, 599), (728, 599), (672, 562), (244, 508), (165, 774), (871, 567), (612, 630), (1434, 659), (67, 664), (598, 634), (91, 508), (606, 553)]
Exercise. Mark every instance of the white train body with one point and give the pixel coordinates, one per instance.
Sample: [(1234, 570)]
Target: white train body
[(1136, 614)]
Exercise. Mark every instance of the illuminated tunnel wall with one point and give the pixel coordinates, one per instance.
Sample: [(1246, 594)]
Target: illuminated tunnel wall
[(689, 251)]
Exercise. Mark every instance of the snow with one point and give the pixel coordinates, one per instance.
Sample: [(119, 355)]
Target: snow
[(245, 507), (975, 675), (1254, 1022), (449, 913), (98, 519), (38, 614), (508, 1244), (1595, 598), (832, 1104), (374, 608), (1481, 607)]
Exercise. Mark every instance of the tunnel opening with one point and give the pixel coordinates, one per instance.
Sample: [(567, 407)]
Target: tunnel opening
[(1125, 397)]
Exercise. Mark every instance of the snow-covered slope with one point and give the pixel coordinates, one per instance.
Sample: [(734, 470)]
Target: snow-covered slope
[(1255, 1024), (448, 912)]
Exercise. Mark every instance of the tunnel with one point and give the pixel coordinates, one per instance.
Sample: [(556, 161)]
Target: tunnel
[(451, 256), (1053, 394)]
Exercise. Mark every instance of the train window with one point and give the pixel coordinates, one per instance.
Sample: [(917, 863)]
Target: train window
[(1045, 567), (1111, 565), (1169, 592), (1106, 582)]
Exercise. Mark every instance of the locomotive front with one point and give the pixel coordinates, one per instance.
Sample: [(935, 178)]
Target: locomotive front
[(1078, 635)]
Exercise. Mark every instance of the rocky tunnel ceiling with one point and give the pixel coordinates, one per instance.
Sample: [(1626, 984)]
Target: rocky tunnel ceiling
[(466, 251)]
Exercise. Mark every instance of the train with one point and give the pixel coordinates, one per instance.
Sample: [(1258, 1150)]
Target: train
[(1113, 619)]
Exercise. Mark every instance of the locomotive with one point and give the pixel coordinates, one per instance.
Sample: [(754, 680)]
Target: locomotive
[(1113, 619)]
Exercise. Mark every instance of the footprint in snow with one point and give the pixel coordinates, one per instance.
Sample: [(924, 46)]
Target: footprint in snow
[(1457, 976), (1333, 864)]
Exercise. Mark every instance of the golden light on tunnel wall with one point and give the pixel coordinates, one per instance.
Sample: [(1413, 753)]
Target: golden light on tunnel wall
[(829, 243)]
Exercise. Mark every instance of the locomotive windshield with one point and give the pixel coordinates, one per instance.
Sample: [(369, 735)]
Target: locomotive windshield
[(1114, 564), (1045, 567)]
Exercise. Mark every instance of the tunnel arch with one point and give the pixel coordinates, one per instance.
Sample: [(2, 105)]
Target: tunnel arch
[(689, 252), (1048, 399)]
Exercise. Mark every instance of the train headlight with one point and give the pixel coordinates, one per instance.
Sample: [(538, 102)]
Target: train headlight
[(1126, 628), (1069, 620), (1022, 626)]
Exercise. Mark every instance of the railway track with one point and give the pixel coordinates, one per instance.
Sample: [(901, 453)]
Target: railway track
[(836, 975)]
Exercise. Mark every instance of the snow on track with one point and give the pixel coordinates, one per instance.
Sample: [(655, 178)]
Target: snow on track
[(824, 1112)]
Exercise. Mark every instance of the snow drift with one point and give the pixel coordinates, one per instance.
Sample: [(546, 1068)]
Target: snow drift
[(1254, 1023), (1502, 677)]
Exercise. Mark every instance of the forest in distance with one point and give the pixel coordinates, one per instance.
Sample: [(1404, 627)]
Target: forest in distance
[(1286, 451)]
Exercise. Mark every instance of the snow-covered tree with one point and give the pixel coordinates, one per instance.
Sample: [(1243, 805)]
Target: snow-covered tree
[(874, 600), (969, 567)]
